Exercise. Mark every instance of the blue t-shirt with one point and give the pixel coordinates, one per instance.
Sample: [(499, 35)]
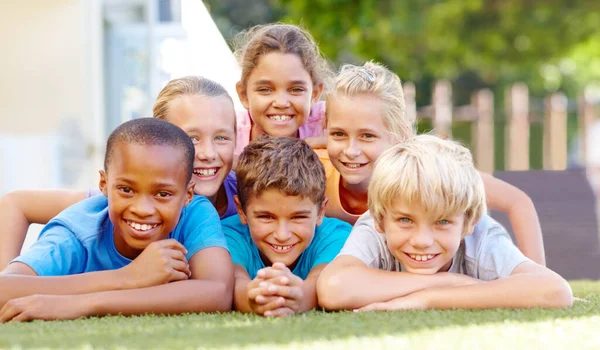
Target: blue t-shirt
[(80, 239), (329, 239)]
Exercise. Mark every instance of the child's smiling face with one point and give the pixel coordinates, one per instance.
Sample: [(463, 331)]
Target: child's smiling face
[(147, 188), (281, 226), (356, 136), (421, 243), (210, 123), (279, 93)]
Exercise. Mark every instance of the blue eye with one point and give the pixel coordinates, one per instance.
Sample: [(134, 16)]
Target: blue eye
[(443, 222)]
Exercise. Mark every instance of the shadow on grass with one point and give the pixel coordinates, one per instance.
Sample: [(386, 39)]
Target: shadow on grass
[(239, 330)]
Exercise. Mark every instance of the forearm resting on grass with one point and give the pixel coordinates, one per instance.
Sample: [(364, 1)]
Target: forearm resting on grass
[(16, 282), (529, 286), (519, 208), (347, 283), (19, 209), (172, 298)]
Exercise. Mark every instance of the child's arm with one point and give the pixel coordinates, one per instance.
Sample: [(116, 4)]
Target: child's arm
[(529, 285), (521, 212), (19, 209), (161, 262), (348, 283), (208, 290)]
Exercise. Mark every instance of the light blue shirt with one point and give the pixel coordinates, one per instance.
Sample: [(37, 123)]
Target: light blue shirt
[(329, 239), (80, 239)]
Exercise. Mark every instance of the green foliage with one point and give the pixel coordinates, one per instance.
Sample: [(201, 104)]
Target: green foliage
[(499, 41)]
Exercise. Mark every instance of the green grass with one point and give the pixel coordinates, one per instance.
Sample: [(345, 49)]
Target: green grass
[(576, 328)]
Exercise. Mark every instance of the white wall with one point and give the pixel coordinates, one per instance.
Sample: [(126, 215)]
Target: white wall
[(43, 92)]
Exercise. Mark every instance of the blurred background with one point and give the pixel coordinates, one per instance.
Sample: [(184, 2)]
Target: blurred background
[(517, 81)]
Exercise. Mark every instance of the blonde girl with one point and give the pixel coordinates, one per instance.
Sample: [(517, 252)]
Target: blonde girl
[(365, 116)]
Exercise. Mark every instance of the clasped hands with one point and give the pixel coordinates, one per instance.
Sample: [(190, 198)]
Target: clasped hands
[(276, 292)]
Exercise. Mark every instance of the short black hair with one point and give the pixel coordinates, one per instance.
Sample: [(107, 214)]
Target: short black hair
[(152, 132)]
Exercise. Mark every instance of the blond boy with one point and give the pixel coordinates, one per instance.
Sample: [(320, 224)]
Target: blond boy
[(427, 243)]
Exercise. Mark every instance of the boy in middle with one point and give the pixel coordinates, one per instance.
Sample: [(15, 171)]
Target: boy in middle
[(280, 241)]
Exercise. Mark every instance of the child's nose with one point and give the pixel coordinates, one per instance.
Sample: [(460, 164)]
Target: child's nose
[(206, 151), (282, 234), (421, 239), (143, 207), (352, 151), (281, 101)]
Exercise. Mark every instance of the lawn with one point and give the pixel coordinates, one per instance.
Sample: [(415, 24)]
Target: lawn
[(576, 328)]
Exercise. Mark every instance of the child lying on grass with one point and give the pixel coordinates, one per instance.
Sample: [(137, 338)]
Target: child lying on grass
[(118, 253), (280, 242), (426, 243)]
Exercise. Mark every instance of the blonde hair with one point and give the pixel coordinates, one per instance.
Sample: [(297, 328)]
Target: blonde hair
[(376, 80), (188, 86), (284, 163), (431, 172), (259, 40)]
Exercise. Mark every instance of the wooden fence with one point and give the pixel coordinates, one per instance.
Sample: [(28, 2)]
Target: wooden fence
[(518, 119)]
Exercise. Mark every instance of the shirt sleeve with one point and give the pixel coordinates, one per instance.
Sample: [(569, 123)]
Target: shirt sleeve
[(201, 227), (57, 252), (368, 245), (498, 256), (331, 240), (239, 246)]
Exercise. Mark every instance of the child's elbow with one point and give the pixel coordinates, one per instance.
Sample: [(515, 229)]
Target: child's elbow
[(330, 292), (560, 294), (220, 298), (226, 299)]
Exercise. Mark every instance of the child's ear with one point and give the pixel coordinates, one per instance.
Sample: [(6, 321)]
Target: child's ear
[(242, 94), (317, 92), (240, 210), (189, 193), (103, 183), (322, 211)]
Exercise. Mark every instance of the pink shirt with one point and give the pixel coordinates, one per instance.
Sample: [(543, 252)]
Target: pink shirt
[(312, 127)]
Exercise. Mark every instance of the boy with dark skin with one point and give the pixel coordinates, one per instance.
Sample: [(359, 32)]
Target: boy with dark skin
[(147, 246)]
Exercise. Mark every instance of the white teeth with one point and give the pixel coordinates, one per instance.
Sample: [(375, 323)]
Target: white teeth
[(281, 247), (280, 117), (422, 257), (205, 172), (141, 227), (353, 165)]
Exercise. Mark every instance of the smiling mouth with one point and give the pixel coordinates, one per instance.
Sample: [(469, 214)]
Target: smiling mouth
[(206, 172), (421, 257), (141, 228), (280, 117), (282, 249), (353, 165)]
